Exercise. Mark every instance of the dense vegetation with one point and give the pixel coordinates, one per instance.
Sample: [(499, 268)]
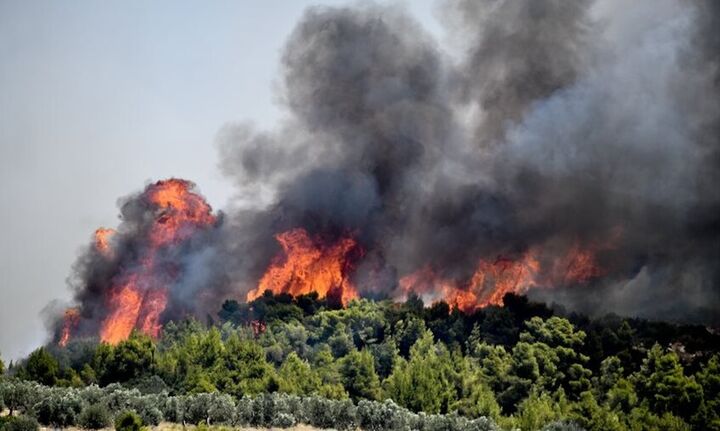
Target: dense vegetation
[(522, 366)]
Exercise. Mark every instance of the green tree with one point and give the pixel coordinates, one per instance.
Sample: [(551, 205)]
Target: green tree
[(130, 359), (661, 383), (296, 377), (2, 367), (41, 367), (358, 375), (244, 369), (475, 398), (424, 382), (594, 417), (708, 415), (538, 410), (328, 370), (556, 345)]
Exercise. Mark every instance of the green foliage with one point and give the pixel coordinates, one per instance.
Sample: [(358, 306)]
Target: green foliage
[(426, 381), (18, 423), (58, 407), (130, 359), (662, 384), (296, 377), (357, 370), (280, 361), (19, 396), (42, 367), (128, 421), (94, 417)]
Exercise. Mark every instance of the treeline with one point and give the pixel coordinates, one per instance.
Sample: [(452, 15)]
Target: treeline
[(521, 365), (92, 407)]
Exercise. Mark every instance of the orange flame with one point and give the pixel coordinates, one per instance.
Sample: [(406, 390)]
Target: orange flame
[(126, 301), (102, 241), (487, 286), (138, 296), (307, 265), (493, 279), (180, 211), (70, 321)]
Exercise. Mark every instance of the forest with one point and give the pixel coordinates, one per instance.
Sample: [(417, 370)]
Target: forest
[(281, 360)]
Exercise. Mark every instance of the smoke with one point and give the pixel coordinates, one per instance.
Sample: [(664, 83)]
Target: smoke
[(557, 123), (551, 126)]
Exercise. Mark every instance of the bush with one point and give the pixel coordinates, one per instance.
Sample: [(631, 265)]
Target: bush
[(173, 409), (210, 408), (128, 421), (283, 420), (94, 417), (58, 407), (18, 423), (19, 395), (374, 416), (147, 407)]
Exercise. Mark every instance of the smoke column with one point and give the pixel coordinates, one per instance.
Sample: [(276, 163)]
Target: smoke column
[(566, 150)]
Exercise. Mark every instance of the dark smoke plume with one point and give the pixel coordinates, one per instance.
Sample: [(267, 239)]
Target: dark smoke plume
[(552, 123), (560, 122)]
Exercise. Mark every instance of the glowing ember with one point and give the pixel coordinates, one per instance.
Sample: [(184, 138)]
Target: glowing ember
[(70, 321), (307, 265)]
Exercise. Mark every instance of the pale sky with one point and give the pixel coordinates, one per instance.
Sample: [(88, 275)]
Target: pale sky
[(98, 98)]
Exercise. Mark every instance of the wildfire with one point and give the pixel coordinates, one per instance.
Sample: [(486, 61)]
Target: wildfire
[(70, 321), (493, 279), (138, 293), (126, 301), (308, 265), (488, 284), (180, 211)]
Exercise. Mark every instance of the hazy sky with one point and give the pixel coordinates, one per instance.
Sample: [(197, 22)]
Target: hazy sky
[(96, 99)]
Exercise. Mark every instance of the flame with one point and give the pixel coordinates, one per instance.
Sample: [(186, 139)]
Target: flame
[(126, 301), (578, 266), (137, 295), (102, 241), (308, 265), (487, 286), (70, 321), (492, 279), (180, 211)]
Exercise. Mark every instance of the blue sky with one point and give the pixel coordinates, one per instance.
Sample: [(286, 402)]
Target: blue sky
[(98, 98)]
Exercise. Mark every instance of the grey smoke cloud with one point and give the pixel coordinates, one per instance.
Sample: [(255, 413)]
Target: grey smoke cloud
[(558, 123)]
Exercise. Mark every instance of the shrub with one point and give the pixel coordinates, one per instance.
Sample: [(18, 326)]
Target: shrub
[(128, 421), (173, 409), (58, 407), (387, 415), (283, 420), (18, 423), (147, 407), (210, 408), (19, 395), (94, 416), (92, 395)]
